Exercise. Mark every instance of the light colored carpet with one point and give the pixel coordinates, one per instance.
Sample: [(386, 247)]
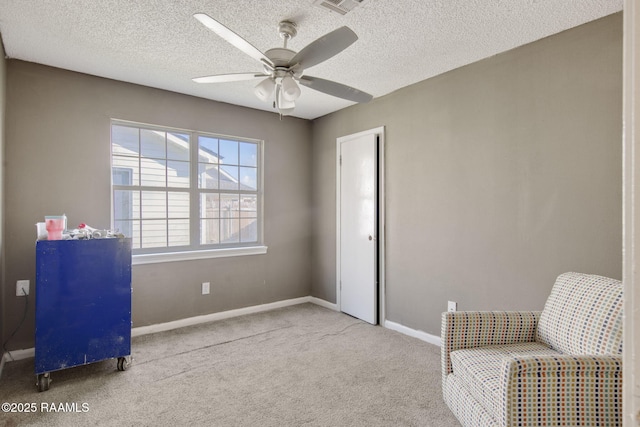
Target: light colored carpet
[(297, 366)]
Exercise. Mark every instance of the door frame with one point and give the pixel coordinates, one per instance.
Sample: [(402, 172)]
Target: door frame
[(631, 217), (380, 233)]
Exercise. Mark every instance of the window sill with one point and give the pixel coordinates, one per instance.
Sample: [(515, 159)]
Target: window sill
[(194, 255)]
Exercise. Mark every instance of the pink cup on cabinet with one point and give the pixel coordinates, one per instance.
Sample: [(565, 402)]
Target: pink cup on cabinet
[(55, 226)]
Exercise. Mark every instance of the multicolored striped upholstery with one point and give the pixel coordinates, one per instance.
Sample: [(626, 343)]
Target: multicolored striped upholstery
[(464, 406), (481, 370), (565, 390), (470, 329), (513, 368), (583, 315)]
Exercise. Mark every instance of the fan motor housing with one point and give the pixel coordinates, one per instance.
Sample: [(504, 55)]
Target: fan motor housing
[(280, 56)]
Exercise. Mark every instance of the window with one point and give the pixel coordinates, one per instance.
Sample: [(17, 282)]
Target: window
[(183, 191)]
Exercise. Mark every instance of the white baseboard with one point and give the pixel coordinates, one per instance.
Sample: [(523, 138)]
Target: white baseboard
[(13, 355), (323, 303), (161, 327), (190, 321), (421, 335)]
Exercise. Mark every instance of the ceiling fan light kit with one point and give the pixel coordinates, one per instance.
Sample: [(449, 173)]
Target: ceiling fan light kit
[(284, 106), (290, 90), (283, 69), (265, 89)]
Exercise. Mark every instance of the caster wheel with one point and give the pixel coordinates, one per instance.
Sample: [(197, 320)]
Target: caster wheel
[(123, 363), (44, 380)]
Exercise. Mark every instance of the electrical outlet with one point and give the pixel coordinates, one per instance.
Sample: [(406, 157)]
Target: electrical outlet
[(452, 306), (22, 288), (206, 288)]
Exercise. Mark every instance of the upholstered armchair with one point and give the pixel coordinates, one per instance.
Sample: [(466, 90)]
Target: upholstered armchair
[(558, 367)]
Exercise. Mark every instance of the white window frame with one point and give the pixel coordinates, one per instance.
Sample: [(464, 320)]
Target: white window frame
[(195, 250)]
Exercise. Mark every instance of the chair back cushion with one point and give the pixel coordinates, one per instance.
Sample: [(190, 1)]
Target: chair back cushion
[(583, 315)]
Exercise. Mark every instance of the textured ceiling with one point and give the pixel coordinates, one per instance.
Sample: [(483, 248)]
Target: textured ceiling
[(158, 43)]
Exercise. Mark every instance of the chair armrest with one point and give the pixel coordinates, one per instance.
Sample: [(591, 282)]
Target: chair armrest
[(468, 329), (562, 390)]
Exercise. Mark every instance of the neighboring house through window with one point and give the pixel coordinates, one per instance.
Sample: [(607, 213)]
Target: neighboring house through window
[(178, 190)]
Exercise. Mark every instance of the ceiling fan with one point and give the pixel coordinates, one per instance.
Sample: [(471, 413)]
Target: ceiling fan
[(283, 68)]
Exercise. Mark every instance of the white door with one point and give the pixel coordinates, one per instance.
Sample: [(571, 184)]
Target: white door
[(358, 226)]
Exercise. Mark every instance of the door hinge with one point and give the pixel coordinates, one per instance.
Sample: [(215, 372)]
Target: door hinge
[(340, 160)]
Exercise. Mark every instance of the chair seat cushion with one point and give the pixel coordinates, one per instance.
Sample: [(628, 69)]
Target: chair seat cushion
[(480, 369)]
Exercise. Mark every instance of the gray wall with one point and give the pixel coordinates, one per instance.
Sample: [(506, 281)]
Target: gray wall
[(500, 175), (58, 160)]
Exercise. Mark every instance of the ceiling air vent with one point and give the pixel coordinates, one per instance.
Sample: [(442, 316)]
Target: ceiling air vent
[(339, 6)]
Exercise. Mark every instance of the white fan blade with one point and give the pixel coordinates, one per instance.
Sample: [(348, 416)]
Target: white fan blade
[(232, 38), (324, 48), (224, 78), (335, 89)]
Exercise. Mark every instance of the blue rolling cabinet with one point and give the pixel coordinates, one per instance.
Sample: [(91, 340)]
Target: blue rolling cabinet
[(83, 304)]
